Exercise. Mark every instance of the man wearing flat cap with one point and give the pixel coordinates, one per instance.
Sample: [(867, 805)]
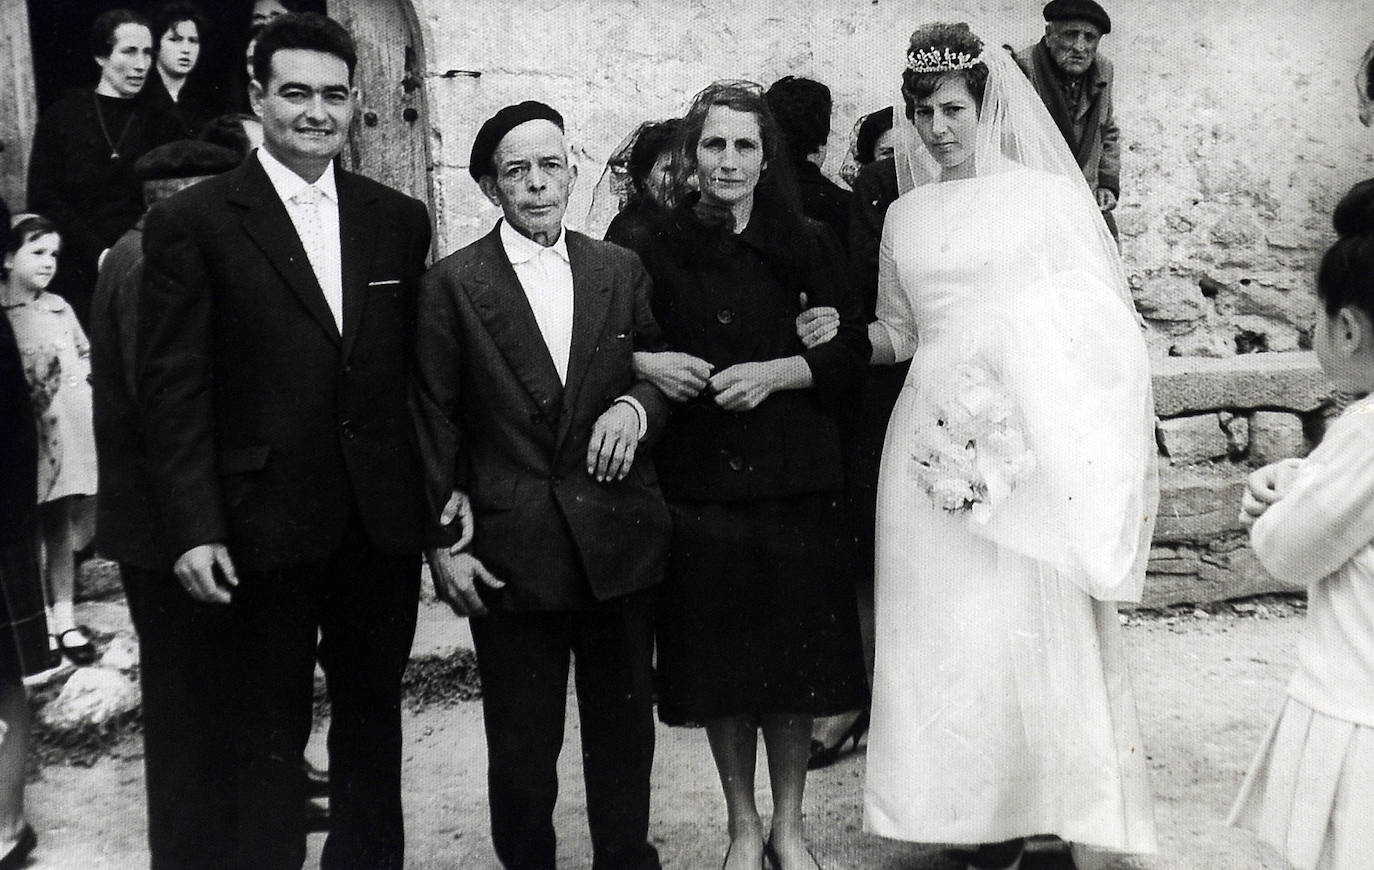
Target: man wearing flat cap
[(533, 430), (275, 337), (182, 643), (1075, 83)]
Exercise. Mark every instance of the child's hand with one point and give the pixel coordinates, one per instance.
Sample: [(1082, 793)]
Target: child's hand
[(1266, 486)]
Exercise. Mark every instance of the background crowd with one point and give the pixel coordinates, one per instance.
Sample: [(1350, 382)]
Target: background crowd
[(777, 345)]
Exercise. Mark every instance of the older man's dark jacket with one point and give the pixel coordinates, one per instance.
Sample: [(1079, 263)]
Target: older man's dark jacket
[(1090, 127)]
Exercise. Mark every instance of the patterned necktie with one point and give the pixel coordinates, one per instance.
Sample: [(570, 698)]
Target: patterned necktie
[(311, 230)]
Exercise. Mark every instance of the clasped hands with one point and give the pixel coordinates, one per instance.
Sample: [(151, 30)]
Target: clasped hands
[(1265, 486)]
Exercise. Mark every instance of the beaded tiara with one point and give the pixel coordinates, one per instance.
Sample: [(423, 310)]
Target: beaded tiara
[(938, 60)]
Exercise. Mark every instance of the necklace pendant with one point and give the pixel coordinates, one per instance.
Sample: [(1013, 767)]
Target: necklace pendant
[(114, 155)]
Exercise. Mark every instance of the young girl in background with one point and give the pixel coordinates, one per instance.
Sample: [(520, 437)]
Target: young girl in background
[(56, 359), (1310, 791)]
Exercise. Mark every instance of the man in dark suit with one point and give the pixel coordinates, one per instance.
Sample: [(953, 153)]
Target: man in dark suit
[(533, 424), (183, 643), (275, 340)]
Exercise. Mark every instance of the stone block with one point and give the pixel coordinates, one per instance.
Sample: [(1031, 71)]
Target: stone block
[(1275, 435), (1195, 438), (1286, 381), (1197, 503), (91, 698), (121, 654), (1220, 570), (1237, 429)]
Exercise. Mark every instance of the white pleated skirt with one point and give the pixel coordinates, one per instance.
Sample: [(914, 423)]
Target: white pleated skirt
[(1310, 791)]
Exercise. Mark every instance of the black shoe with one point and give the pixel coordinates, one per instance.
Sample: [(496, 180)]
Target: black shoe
[(824, 756), (316, 781), (82, 652), (19, 855)]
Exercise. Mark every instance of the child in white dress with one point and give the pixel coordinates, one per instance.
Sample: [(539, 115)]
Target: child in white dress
[(1310, 791), (56, 357)]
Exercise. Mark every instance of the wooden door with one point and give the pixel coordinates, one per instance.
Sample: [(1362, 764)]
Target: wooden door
[(18, 105), (389, 141)]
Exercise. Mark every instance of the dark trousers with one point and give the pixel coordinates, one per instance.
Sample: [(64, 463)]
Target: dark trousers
[(523, 659), (361, 606), (184, 667)]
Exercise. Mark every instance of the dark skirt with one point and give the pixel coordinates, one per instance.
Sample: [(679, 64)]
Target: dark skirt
[(23, 627), (757, 614), (863, 456)]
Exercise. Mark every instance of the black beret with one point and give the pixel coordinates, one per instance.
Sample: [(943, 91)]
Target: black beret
[(185, 158), (1078, 10), (497, 126)]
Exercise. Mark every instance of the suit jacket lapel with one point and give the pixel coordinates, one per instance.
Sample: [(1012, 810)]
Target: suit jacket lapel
[(358, 238), (500, 302), (266, 222), (591, 302)]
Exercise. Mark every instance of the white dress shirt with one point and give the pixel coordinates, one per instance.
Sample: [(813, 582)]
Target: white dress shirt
[(546, 276), (314, 211)]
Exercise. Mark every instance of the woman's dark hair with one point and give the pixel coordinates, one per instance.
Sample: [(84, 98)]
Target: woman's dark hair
[(169, 15), (653, 140), (103, 28), (227, 131), (873, 126), (308, 30), (802, 109), (955, 38), (1346, 275), (26, 229)]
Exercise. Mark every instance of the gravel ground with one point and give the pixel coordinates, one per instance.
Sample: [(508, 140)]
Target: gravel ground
[(1207, 682)]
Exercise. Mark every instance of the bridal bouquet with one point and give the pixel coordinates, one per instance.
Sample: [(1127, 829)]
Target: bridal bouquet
[(969, 452)]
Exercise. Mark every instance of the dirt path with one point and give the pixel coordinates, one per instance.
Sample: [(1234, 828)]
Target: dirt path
[(1206, 688)]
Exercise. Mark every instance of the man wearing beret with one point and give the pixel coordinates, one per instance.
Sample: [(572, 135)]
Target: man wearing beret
[(275, 338), (533, 429), (1075, 83), (182, 643)]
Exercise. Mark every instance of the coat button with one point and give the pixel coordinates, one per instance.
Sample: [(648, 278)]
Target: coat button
[(736, 463), (348, 431), (726, 316)]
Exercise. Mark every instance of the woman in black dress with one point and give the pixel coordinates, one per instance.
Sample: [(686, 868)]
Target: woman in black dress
[(81, 173), (644, 165), (758, 630)]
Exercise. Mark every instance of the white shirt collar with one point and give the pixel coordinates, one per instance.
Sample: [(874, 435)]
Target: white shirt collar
[(522, 249), (287, 183)]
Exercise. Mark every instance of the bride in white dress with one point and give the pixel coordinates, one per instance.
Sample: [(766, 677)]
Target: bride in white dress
[(1018, 482)]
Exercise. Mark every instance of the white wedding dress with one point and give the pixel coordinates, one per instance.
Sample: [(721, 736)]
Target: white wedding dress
[(1001, 701)]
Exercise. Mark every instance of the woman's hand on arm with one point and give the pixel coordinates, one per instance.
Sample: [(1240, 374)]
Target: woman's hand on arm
[(744, 386), (1265, 486), (817, 325), (680, 376)]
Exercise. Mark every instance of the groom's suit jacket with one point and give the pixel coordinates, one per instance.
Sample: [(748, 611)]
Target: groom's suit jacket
[(496, 422), (265, 427)]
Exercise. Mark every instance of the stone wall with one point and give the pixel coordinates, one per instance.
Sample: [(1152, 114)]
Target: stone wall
[(1238, 119), (1219, 419)]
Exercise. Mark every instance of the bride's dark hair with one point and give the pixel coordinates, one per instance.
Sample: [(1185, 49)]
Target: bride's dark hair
[(941, 37), (1346, 276)]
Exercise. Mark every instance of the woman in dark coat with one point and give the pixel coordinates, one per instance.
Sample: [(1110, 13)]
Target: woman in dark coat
[(178, 29), (81, 173), (758, 629), (645, 167), (23, 630)]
